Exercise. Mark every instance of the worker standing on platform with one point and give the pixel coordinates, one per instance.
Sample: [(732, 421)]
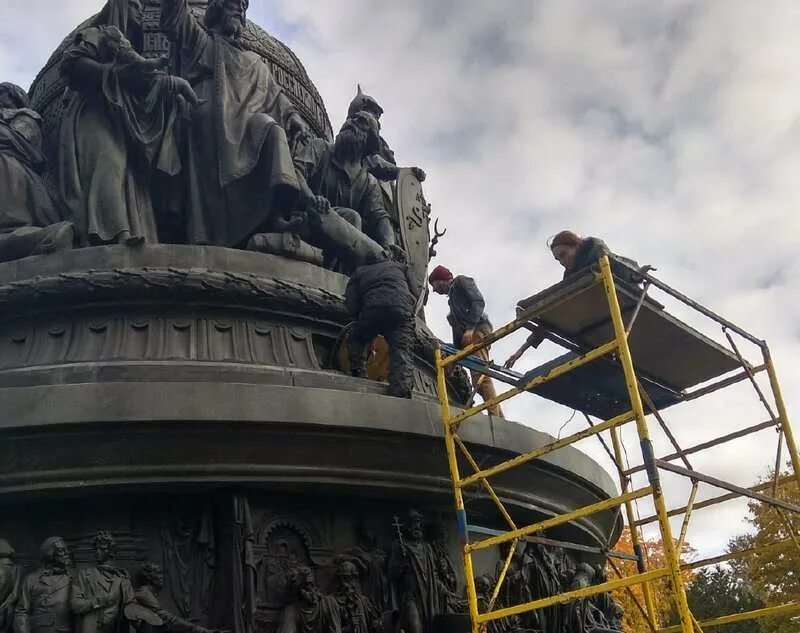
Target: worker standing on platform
[(379, 298), (469, 322)]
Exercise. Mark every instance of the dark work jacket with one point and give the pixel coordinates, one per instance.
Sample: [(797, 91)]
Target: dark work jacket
[(589, 252), (384, 284), (466, 307)]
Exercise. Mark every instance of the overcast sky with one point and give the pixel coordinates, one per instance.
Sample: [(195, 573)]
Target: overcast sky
[(669, 128)]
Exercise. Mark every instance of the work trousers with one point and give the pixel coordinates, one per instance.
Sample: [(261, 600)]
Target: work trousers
[(481, 383), (397, 327)]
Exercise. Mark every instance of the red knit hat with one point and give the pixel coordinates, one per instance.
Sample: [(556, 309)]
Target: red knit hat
[(440, 273)]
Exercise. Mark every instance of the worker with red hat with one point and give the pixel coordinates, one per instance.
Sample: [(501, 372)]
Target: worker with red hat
[(469, 322)]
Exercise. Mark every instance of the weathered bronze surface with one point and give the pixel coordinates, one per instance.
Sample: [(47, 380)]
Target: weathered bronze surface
[(177, 228)]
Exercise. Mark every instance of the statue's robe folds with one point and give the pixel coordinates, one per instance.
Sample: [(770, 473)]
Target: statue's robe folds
[(43, 605), (111, 141), (371, 562), (170, 622), (29, 222), (25, 200), (414, 567), (358, 613), (10, 580), (541, 575), (238, 163), (108, 587), (322, 617)]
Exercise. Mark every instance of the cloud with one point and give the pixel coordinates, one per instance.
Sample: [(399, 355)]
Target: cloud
[(670, 129), (30, 32)]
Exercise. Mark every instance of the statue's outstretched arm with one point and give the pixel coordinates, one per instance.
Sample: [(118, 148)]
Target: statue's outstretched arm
[(179, 24)]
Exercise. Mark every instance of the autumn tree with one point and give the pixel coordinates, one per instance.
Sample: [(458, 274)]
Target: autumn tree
[(774, 572), (634, 620)]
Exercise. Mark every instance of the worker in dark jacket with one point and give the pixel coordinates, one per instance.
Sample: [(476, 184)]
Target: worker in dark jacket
[(575, 253), (379, 298), (469, 322)]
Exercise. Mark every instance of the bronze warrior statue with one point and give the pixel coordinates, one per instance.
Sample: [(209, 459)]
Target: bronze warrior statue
[(334, 175), (381, 163)]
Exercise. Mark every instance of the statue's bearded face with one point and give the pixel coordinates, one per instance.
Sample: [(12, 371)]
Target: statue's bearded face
[(308, 591), (349, 583), (351, 139), (415, 530), (233, 17)]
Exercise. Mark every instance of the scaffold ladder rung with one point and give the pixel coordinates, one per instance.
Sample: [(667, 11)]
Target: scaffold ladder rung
[(547, 448), (555, 372), (560, 519), (755, 614), (569, 596)]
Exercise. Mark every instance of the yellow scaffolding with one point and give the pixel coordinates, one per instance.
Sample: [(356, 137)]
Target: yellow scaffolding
[(613, 345)]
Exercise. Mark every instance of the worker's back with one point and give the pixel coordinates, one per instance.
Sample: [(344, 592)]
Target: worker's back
[(382, 284), (591, 250)]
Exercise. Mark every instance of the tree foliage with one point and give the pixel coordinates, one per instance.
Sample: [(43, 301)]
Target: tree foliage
[(718, 591), (773, 573), (634, 620)]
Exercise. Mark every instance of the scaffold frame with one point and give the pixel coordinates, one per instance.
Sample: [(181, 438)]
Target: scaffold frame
[(641, 406)]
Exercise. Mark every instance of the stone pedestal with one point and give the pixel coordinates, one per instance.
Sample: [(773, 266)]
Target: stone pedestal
[(183, 398)]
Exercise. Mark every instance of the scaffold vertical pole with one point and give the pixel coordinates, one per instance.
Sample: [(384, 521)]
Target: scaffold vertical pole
[(646, 444), (638, 549), (782, 414), (461, 515)]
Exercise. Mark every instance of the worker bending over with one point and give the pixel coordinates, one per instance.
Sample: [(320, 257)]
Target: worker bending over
[(469, 322), (378, 297), (576, 253)]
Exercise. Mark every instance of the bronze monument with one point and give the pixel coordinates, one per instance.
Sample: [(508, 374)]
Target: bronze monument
[(178, 225)]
